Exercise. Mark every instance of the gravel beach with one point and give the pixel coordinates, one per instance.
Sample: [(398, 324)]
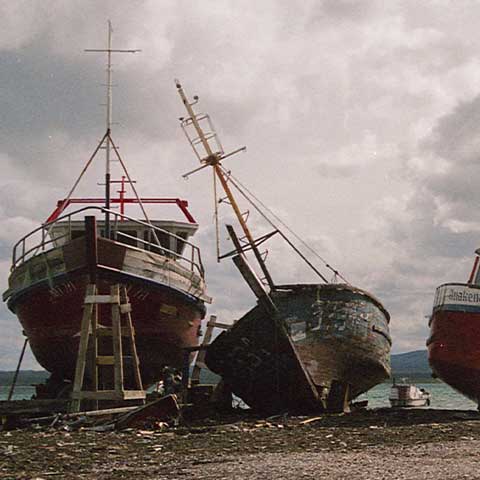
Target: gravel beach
[(379, 444)]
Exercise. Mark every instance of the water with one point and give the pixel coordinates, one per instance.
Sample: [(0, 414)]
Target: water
[(21, 392), (441, 396)]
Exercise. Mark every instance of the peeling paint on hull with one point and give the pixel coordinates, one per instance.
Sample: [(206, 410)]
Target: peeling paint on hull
[(340, 334)]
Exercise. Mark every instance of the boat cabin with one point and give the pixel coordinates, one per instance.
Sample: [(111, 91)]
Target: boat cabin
[(171, 234)]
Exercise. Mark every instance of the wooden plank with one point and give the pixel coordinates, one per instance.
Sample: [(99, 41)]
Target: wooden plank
[(82, 348), (105, 360), (110, 395), (125, 308), (108, 332), (117, 342), (133, 347), (162, 409), (91, 253), (95, 352), (134, 394), (225, 326), (200, 360), (102, 299)]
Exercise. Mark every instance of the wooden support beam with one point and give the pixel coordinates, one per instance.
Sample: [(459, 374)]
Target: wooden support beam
[(201, 354), (91, 247), (82, 349), (90, 332), (110, 395), (117, 342), (133, 347)]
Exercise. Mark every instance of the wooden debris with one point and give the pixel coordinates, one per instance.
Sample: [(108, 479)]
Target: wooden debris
[(310, 420), (160, 410)]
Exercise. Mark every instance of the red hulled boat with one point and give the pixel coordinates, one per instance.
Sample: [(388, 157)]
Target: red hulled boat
[(454, 342), (153, 259)]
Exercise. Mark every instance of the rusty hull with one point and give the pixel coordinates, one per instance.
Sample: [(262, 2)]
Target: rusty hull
[(331, 336)]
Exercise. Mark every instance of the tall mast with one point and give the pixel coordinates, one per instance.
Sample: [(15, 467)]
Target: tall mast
[(109, 85), (109, 128), (213, 159)]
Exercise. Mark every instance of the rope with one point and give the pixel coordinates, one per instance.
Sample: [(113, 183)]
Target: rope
[(242, 189)]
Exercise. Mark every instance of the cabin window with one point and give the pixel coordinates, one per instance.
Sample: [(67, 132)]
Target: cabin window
[(149, 236), (181, 243), (146, 237), (122, 237)]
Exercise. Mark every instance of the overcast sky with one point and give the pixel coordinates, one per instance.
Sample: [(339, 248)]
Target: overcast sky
[(361, 120)]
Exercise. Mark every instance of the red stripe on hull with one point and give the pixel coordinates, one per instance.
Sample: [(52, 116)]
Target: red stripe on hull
[(163, 324), (454, 350)]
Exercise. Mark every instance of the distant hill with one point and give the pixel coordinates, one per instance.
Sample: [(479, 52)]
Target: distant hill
[(410, 364), (413, 365), (25, 377)]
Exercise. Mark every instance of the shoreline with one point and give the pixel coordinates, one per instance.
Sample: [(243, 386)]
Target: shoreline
[(365, 444)]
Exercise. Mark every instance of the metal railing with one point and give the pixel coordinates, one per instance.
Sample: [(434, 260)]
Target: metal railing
[(43, 238)]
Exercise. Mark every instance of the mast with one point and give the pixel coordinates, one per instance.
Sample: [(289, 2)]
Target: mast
[(109, 126), (214, 159), (109, 50)]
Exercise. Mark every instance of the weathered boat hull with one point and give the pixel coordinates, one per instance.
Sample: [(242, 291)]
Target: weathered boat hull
[(48, 291), (340, 336), (454, 342)]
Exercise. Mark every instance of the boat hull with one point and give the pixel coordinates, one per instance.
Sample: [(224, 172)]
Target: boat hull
[(415, 403), (49, 307), (339, 336), (454, 342)]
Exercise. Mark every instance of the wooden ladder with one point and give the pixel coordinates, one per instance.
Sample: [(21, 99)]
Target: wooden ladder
[(88, 350)]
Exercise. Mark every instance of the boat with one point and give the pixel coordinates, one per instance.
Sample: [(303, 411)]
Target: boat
[(403, 395), (303, 346), (454, 340), (153, 258)]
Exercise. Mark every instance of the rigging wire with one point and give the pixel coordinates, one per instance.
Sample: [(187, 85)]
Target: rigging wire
[(242, 189), (217, 235)]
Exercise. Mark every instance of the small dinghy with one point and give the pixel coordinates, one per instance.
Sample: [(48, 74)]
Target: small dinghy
[(408, 395)]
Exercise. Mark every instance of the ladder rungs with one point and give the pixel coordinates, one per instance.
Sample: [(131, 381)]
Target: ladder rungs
[(109, 395), (105, 360), (108, 332), (102, 299), (125, 308)]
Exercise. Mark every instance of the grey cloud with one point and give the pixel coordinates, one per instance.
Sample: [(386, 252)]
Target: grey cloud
[(302, 85)]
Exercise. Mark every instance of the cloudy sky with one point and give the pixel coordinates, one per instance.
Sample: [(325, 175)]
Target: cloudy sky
[(361, 118)]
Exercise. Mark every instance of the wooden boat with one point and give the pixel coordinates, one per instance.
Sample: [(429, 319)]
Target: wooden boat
[(165, 286), (303, 346), (154, 259), (405, 395), (334, 335), (454, 341)]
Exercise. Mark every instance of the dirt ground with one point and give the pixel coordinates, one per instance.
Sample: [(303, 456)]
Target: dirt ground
[(372, 444)]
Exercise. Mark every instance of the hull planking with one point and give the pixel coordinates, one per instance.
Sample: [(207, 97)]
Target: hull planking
[(340, 336)]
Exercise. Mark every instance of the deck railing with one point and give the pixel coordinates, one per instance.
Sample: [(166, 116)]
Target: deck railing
[(43, 238)]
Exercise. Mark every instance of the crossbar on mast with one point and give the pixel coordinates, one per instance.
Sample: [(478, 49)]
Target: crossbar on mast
[(109, 50), (213, 159)]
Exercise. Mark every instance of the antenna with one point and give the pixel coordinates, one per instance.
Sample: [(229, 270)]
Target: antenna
[(209, 151), (109, 50)]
